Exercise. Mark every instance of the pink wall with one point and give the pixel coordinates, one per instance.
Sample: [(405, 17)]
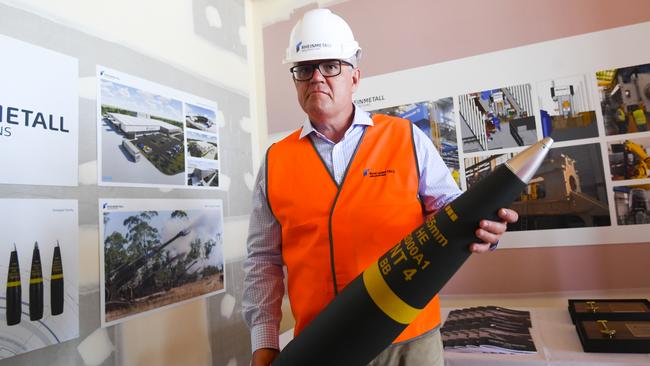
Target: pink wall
[(591, 267), (405, 34)]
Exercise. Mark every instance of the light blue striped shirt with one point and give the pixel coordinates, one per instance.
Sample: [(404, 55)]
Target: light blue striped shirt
[(264, 281)]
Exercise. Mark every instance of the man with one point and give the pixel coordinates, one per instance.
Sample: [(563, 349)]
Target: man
[(337, 193), (621, 119), (638, 112)]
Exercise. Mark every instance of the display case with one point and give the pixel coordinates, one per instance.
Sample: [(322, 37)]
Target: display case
[(610, 309), (614, 336)]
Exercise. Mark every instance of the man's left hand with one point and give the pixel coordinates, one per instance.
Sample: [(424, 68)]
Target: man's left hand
[(491, 231)]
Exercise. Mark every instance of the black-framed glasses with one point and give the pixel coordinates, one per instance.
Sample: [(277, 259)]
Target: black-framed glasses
[(327, 68)]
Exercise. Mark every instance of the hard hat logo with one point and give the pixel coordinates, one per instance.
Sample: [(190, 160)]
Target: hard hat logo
[(321, 35), (315, 46)]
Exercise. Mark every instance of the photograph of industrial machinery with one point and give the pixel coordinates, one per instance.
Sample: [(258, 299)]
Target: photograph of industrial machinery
[(497, 118), (625, 98), (568, 190), (154, 259), (629, 159), (566, 108), (436, 119), (632, 204)]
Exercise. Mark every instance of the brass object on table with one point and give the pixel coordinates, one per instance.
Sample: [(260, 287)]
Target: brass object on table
[(606, 331), (591, 305), (610, 309)]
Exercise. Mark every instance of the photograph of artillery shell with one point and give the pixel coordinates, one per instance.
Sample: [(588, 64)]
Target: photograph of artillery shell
[(39, 302)]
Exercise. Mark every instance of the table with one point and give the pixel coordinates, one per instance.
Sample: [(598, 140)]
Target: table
[(557, 344)]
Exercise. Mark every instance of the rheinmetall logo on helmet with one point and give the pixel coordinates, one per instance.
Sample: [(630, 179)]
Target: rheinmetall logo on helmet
[(377, 173), (312, 46)]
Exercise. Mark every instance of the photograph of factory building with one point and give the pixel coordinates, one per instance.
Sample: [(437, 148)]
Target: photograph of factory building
[(629, 159), (625, 98), (632, 204), (566, 108), (199, 118), (202, 149), (567, 191), (142, 136), (497, 118), (436, 120), (156, 258), (202, 145), (202, 173)]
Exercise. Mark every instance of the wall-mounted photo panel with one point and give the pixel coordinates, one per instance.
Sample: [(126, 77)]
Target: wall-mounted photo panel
[(632, 204), (39, 115), (202, 146), (158, 253), (566, 108), (568, 190), (39, 266), (137, 147), (201, 119), (144, 128), (202, 173), (497, 118), (629, 159), (573, 197), (477, 167), (625, 98), (436, 120)]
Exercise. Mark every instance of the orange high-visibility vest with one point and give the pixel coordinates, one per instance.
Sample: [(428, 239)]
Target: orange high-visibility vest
[(330, 234)]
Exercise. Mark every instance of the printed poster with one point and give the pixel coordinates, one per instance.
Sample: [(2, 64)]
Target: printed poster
[(155, 254), (436, 119), (594, 185), (39, 266), (39, 106), (154, 136)]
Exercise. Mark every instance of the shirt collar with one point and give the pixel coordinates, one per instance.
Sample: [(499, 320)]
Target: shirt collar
[(361, 118)]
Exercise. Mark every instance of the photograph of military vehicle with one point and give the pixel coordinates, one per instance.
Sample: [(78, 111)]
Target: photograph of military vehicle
[(625, 98), (568, 190), (497, 118), (566, 109), (629, 159), (155, 258), (436, 119)]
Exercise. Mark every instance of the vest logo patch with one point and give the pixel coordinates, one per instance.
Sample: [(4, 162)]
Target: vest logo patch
[(377, 173)]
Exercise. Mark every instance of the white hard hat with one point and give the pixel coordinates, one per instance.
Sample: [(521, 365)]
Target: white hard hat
[(321, 35)]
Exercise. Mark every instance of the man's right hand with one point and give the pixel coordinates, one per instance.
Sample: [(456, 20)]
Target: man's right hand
[(264, 356)]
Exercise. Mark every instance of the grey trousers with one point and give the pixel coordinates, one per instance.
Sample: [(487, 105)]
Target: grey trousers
[(425, 350)]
